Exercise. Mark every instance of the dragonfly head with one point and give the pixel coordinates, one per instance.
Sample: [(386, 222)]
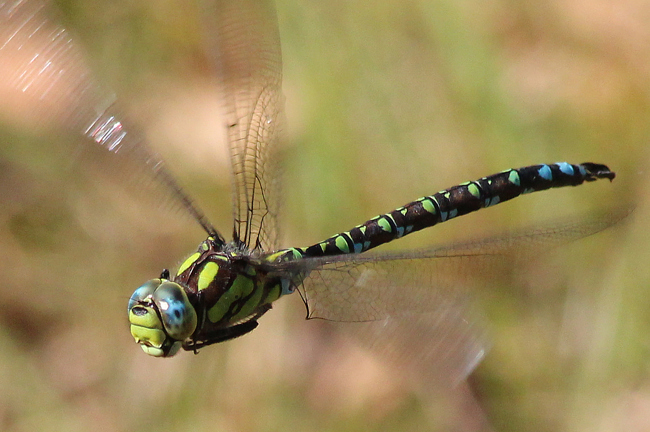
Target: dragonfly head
[(161, 317)]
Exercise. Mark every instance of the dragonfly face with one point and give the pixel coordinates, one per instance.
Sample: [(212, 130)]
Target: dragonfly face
[(161, 317)]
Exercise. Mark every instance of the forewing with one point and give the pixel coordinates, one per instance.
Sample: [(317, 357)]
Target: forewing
[(243, 36), (47, 87)]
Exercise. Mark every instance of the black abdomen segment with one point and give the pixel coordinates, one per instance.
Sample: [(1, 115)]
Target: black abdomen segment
[(457, 201)]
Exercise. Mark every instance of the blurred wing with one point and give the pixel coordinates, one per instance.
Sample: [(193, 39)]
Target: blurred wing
[(416, 308), (413, 311), (374, 286), (245, 42), (47, 86)]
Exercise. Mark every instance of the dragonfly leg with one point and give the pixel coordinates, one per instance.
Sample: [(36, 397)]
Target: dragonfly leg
[(226, 333)]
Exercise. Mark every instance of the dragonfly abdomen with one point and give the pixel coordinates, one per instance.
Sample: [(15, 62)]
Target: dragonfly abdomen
[(457, 201)]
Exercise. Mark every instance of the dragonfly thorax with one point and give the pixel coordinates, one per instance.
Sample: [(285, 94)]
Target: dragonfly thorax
[(218, 293)]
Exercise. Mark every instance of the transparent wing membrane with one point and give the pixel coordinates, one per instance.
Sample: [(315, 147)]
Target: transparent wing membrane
[(374, 286), (47, 86), (243, 37), (416, 312), (398, 300)]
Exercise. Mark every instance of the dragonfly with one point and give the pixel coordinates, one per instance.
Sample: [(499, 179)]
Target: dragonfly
[(221, 291)]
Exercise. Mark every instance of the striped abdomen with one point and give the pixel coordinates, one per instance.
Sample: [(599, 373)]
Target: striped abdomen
[(456, 201)]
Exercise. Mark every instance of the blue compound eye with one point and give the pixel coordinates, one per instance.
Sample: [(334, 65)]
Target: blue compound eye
[(161, 317), (144, 291), (178, 315)]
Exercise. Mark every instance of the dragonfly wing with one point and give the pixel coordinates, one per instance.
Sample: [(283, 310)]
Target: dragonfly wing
[(417, 307), (372, 286), (47, 86), (244, 39), (416, 311), (522, 245)]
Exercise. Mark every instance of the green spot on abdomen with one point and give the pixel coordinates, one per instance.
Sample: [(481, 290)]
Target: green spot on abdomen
[(384, 225), (341, 244), (474, 190), (428, 205), (513, 177)]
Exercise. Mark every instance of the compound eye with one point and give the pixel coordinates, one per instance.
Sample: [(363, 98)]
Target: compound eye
[(145, 290), (178, 315)]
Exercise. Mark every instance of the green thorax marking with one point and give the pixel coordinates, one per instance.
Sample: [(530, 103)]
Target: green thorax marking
[(229, 286)]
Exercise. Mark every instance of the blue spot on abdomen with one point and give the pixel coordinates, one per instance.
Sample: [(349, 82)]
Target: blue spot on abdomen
[(565, 168), (545, 173)]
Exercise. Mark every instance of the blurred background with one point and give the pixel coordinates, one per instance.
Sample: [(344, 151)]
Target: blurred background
[(385, 102)]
